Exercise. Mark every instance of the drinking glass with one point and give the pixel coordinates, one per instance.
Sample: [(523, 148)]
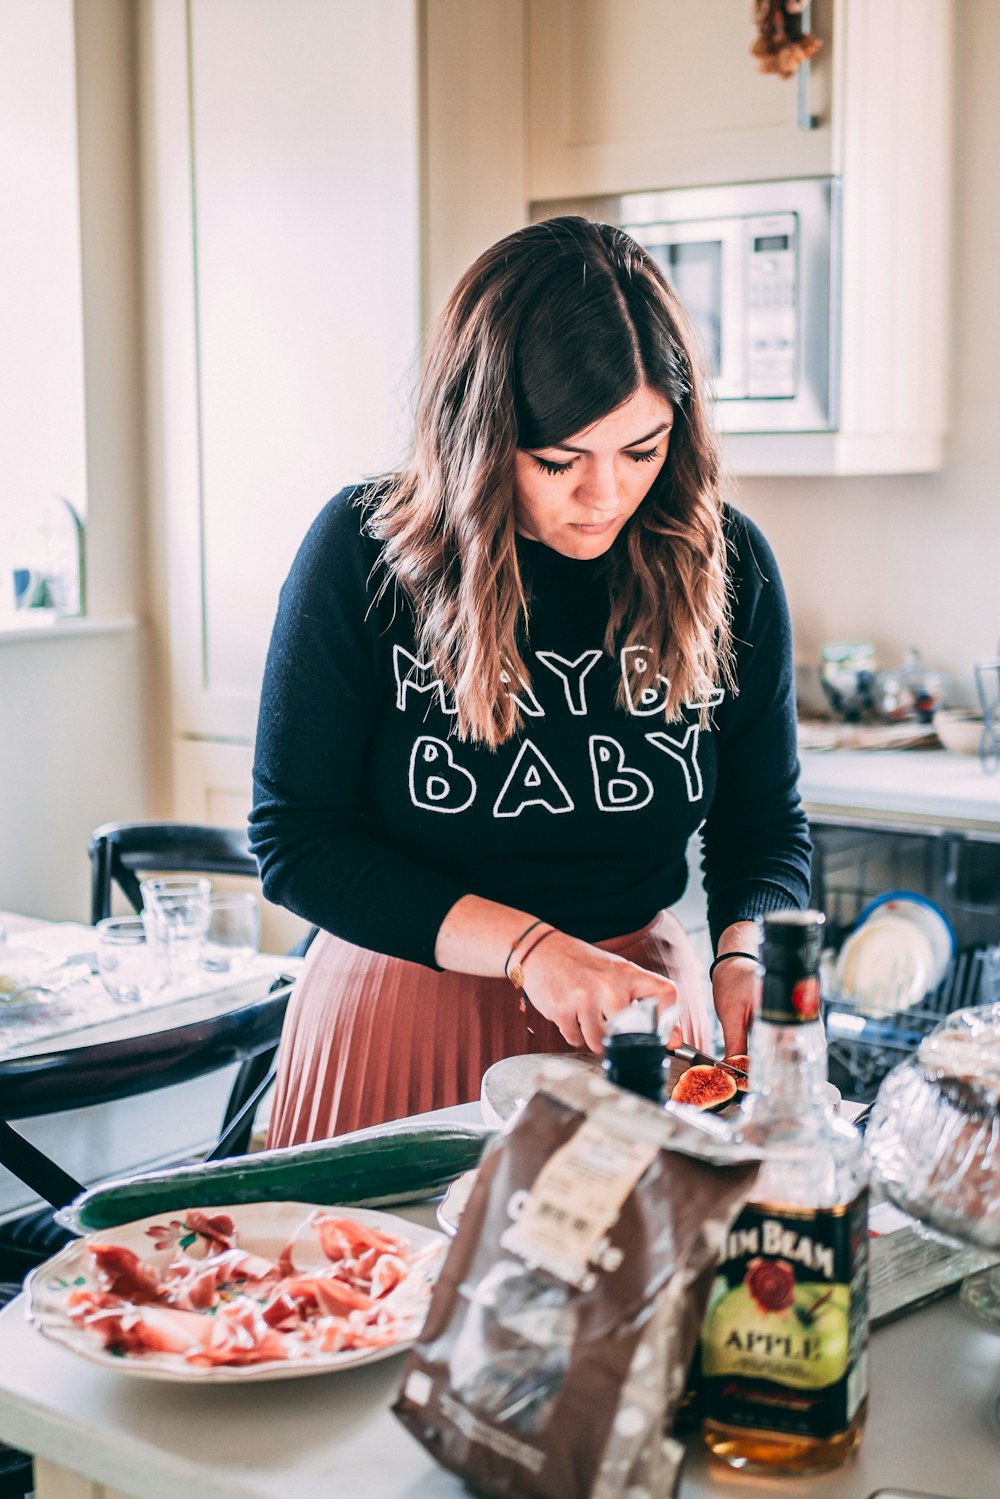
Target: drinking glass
[(233, 934), (175, 912), (125, 961)]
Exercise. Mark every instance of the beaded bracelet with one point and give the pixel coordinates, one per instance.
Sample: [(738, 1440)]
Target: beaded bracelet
[(754, 958)]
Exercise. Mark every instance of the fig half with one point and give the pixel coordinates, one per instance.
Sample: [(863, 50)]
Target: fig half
[(742, 1061), (705, 1088)]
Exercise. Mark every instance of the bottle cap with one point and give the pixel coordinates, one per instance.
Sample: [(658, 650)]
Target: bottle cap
[(793, 945), (636, 1060)]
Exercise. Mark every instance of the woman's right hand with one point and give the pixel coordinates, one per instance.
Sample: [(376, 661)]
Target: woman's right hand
[(579, 987)]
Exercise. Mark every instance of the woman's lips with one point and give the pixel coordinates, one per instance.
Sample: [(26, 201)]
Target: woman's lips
[(594, 529)]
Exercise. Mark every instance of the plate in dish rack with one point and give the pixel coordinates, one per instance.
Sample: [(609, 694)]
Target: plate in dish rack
[(68, 1286)]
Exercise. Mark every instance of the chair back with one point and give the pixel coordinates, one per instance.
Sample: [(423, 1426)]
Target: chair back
[(122, 853)]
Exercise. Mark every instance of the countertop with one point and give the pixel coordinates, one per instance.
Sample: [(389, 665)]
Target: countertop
[(918, 788), (935, 1376)]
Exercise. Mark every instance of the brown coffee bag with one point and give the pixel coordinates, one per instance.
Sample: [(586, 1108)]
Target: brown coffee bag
[(562, 1326)]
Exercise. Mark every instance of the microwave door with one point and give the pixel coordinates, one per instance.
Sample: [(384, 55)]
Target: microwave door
[(703, 261)]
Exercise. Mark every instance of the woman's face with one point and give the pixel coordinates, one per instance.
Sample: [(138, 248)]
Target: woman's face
[(575, 497)]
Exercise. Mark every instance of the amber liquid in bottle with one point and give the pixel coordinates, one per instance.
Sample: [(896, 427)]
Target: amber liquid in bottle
[(813, 1190)]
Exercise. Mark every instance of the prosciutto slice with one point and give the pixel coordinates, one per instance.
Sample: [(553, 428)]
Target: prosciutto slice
[(339, 1285)]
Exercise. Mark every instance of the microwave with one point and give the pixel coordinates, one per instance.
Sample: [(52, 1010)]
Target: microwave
[(757, 266)]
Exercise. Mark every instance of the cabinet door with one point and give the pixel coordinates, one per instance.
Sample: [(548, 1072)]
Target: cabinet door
[(282, 177), (629, 95)]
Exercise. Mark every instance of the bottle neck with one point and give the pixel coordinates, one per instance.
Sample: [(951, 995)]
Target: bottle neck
[(788, 1066)]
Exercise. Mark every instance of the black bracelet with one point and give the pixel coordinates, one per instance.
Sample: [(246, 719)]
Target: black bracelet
[(517, 943), (754, 958)]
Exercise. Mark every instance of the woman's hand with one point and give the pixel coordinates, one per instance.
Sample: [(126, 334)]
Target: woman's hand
[(578, 987), (736, 991)]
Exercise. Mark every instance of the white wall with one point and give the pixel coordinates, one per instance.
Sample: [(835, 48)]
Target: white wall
[(916, 560), (71, 757), (76, 713)]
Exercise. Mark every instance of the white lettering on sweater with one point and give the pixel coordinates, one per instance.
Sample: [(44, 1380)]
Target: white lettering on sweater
[(634, 661), (531, 782), (617, 787), (420, 675), (686, 752), (523, 697), (572, 674), (437, 782)]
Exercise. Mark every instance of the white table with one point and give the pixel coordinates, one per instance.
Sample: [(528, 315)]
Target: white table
[(96, 1141), (99, 1435)]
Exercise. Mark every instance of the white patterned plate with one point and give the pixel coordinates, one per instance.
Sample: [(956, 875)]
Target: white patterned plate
[(265, 1228)]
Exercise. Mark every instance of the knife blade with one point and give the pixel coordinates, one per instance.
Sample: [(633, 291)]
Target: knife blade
[(702, 1059)]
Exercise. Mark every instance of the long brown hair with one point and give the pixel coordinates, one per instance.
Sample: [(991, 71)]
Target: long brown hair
[(550, 330)]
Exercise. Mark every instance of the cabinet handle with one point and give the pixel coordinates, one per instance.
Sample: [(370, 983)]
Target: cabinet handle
[(806, 120)]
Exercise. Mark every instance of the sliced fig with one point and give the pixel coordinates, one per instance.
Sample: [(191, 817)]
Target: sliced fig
[(705, 1088), (742, 1061)]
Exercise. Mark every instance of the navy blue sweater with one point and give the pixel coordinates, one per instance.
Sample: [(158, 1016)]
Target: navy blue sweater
[(370, 819)]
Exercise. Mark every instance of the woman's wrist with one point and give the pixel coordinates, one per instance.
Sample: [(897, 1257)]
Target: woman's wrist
[(735, 955), (522, 949)]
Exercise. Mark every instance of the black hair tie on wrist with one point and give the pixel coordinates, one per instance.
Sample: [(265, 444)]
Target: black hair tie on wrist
[(754, 958)]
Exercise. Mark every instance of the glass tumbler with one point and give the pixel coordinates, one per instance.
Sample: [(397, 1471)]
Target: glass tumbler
[(125, 961), (175, 911), (233, 934)]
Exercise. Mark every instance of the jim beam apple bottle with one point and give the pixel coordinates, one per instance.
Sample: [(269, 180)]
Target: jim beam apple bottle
[(784, 1348)]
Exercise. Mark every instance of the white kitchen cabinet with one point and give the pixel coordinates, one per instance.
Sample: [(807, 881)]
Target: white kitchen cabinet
[(633, 95), (637, 95), (281, 194)]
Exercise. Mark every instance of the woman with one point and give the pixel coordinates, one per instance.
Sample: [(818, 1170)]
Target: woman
[(506, 684)]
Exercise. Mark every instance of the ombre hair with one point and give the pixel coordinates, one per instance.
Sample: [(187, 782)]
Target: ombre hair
[(549, 331)]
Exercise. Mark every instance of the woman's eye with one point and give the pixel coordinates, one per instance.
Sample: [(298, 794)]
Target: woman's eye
[(646, 457), (548, 467)]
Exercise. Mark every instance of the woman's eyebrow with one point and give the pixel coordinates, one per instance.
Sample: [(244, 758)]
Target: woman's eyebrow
[(565, 447)]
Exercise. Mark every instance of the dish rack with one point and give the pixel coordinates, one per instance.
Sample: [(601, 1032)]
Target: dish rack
[(853, 866), (866, 1041)]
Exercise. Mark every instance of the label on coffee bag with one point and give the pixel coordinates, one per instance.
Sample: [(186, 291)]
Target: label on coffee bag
[(561, 1224), (784, 1343)]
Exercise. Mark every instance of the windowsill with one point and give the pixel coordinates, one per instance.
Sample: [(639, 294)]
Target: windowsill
[(14, 628)]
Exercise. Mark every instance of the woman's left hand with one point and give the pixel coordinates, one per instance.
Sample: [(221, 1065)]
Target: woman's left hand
[(736, 989)]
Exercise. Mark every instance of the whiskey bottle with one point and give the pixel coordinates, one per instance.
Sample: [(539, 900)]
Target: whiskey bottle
[(784, 1347)]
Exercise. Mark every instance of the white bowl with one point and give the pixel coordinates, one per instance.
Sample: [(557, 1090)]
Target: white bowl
[(959, 730)]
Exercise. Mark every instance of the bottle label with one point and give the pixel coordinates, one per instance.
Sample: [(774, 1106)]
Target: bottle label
[(790, 1001), (784, 1346)]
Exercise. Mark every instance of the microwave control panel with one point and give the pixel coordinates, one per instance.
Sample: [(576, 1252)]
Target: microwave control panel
[(772, 333)]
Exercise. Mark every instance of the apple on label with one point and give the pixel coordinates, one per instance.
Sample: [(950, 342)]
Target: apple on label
[(804, 1345)]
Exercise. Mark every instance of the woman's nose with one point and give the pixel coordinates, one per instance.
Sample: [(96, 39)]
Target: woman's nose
[(598, 488)]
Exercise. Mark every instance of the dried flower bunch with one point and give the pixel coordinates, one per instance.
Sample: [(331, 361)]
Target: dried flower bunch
[(781, 44)]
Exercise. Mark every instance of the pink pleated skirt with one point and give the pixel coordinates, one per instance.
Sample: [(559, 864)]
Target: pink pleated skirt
[(369, 1038)]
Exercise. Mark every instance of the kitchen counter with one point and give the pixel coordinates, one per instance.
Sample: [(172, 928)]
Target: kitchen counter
[(935, 1376), (902, 789)]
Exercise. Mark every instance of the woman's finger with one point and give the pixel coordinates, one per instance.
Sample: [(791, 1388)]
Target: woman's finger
[(569, 1029), (593, 1031)]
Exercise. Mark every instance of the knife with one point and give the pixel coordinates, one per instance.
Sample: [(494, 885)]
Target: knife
[(641, 1015), (702, 1059)]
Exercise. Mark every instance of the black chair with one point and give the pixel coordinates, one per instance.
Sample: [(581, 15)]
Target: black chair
[(120, 854)]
